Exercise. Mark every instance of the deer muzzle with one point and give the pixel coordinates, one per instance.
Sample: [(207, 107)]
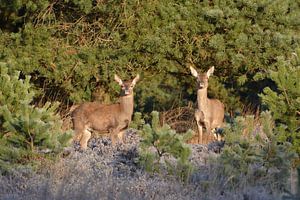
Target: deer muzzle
[(126, 92), (201, 85)]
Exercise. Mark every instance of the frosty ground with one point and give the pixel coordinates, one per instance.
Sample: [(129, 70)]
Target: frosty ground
[(107, 172)]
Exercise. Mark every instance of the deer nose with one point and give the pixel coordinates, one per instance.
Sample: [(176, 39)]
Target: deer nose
[(127, 92), (201, 85)]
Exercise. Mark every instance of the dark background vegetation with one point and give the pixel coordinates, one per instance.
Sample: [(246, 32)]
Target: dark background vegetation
[(72, 48)]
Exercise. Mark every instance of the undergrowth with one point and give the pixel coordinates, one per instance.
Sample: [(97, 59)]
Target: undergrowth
[(162, 148), (252, 156)]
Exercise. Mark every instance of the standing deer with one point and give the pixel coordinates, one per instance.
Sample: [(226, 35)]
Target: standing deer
[(113, 118), (210, 112)]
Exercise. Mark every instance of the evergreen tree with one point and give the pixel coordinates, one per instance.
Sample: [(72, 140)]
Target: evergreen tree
[(252, 154), (74, 47), (284, 100), (161, 146), (26, 131)]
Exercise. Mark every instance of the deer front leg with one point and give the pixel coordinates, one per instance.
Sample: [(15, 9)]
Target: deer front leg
[(78, 135), (85, 138), (79, 130), (124, 126), (200, 129), (200, 133), (207, 127), (113, 137), (114, 134), (121, 135)]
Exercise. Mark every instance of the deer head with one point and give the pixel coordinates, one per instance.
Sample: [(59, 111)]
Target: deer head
[(202, 78), (127, 86)]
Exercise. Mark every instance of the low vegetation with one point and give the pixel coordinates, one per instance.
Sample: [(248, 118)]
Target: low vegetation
[(28, 133), (162, 147)]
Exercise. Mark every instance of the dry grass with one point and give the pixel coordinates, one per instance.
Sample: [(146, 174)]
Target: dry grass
[(182, 119)]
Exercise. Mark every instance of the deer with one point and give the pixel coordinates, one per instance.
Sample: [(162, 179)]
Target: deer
[(111, 118), (210, 112)]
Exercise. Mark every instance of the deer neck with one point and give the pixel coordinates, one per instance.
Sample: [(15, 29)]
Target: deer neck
[(202, 99), (126, 104)]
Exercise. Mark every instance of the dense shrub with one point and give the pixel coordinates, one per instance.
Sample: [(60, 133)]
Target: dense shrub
[(72, 48), (284, 99), (253, 155), (26, 132)]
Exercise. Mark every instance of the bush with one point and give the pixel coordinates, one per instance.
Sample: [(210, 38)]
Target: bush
[(253, 156), (26, 132), (72, 48), (162, 147), (284, 99)]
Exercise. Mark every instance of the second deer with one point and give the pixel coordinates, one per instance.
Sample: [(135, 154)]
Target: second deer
[(113, 118), (210, 112)]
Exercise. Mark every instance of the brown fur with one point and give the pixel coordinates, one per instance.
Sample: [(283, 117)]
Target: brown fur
[(113, 118), (210, 112)]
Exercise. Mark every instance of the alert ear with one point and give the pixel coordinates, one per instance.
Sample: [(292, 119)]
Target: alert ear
[(136, 79), (193, 71), (210, 71), (118, 80)]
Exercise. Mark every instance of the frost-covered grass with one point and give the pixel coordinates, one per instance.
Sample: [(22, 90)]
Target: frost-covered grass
[(106, 172)]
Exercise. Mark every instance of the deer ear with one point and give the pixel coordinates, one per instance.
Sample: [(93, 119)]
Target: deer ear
[(210, 71), (136, 79), (118, 80), (193, 71)]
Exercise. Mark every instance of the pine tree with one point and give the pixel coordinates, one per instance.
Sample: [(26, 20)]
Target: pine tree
[(76, 46), (284, 100), (252, 154), (160, 145), (26, 131)]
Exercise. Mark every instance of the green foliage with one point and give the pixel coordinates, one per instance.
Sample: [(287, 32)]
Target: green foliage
[(14, 13), (253, 156), (284, 100), (73, 47), (59, 69), (25, 130), (137, 121), (161, 145)]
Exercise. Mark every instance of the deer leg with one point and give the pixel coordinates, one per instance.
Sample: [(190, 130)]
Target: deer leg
[(200, 129), (207, 127), (78, 135), (79, 129), (114, 135), (121, 135), (85, 138), (200, 133), (198, 116), (113, 138)]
